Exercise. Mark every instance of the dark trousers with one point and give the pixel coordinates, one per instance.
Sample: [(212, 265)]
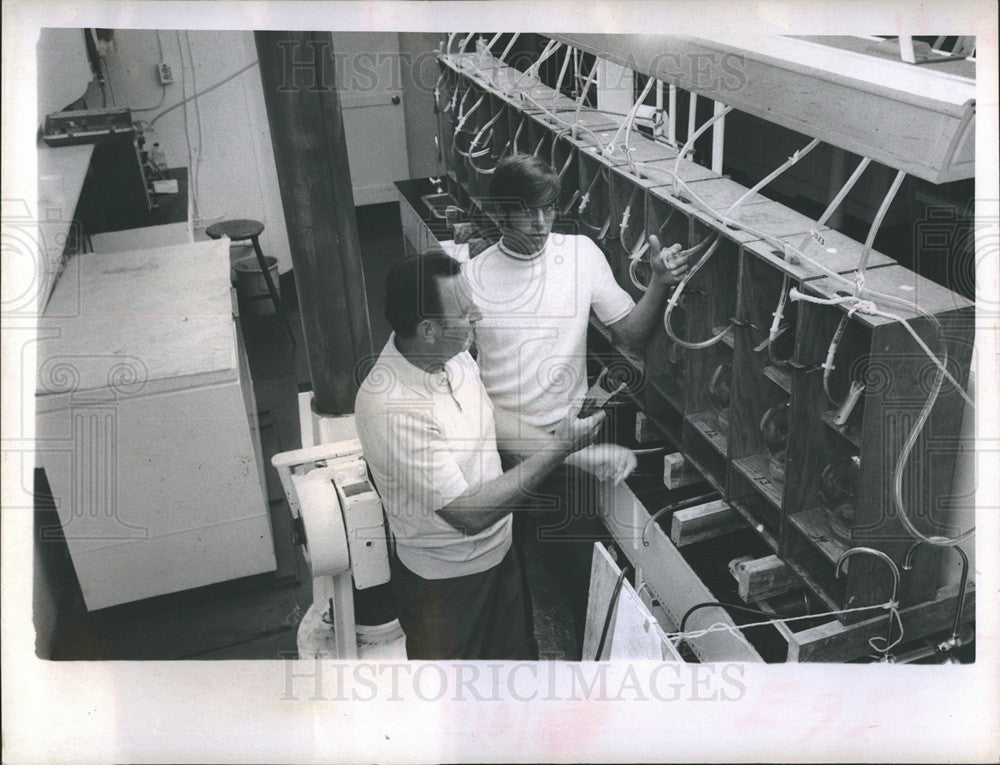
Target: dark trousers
[(560, 532), (479, 616)]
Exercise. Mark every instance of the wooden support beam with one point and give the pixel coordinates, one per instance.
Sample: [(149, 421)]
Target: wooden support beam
[(833, 642), (694, 524), (762, 578), (678, 472), (310, 153)]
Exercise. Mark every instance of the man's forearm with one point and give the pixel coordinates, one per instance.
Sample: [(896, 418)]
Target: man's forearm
[(634, 330), (481, 506), (517, 438)]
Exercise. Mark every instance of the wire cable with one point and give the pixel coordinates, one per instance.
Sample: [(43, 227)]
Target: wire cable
[(107, 78), (187, 132), (611, 610), (206, 91), (197, 113), (718, 604), (163, 88)]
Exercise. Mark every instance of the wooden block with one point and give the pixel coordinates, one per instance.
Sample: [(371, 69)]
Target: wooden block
[(678, 472), (834, 641), (693, 524), (763, 578)]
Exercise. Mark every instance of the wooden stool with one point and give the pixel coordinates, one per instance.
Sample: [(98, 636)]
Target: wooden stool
[(240, 231)]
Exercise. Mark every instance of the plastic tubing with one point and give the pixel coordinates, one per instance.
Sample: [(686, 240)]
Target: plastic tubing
[(572, 126), (562, 70), (859, 290), (796, 156), (510, 45), (550, 47), (676, 296), (918, 425), (600, 231), (877, 223), (831, 353), (633, 274), (475, 142), (609, 150), (466, 41), (634, 251), (590, 80), (772, 333), (694, 136)]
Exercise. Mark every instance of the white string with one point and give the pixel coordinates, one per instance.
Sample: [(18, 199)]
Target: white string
[(890, 606), (893, 614)]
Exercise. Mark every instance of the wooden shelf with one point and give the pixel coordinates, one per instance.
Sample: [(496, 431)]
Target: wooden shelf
[(755, 469), (780, 377), (844, 431), (757, 526), (783, 516), (714, 482), (705, 424), (669, 397), (813, 527)]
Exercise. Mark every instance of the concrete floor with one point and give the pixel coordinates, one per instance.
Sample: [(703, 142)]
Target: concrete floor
[(258, 617)]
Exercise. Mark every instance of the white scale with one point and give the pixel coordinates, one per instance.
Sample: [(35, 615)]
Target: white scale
[(340, 526)]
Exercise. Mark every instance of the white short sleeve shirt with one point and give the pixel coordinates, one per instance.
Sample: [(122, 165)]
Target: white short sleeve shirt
[(427, 439), (532, 339)]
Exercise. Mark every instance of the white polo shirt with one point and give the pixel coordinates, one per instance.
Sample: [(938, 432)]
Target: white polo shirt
[(427, 439), (532, 339)]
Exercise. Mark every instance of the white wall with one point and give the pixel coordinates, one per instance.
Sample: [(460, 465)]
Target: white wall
[(63, 69), (419, 72), (231, 157)]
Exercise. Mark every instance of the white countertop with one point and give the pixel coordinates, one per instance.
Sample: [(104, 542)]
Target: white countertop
[(139, 322)]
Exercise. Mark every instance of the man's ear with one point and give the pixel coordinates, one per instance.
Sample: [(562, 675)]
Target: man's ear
[(428, 331)]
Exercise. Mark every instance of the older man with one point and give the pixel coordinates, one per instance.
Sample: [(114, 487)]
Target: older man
[(429, 435)]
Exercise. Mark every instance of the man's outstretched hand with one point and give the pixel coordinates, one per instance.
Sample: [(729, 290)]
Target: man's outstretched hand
[(609, 462), (668, 265)]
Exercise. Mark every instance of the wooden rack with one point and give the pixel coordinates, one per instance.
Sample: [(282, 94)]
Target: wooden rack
[(711, 403)]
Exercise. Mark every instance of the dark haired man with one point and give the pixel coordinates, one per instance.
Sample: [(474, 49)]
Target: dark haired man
[(428, 432), (536, 291)]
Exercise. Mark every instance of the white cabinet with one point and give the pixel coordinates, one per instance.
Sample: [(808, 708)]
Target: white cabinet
[(146, 424)]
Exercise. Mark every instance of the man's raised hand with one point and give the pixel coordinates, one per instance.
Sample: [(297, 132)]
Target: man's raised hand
[(669, 265)]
